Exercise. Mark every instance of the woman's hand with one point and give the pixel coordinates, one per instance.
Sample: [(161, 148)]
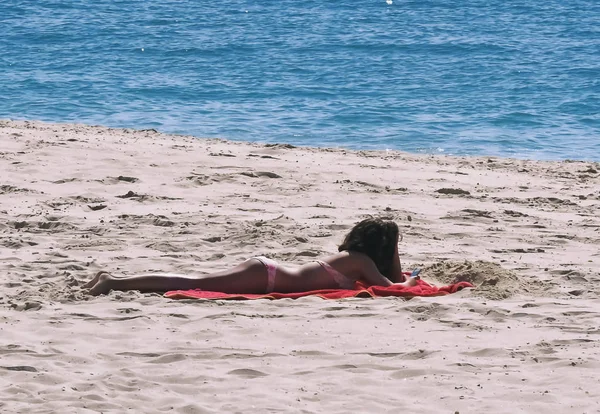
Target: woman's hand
[(410, 282)]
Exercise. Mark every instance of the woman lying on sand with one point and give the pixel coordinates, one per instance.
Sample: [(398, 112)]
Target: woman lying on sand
[(369, 252)]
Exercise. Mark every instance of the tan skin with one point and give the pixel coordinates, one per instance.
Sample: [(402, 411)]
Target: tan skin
[(251, 277)]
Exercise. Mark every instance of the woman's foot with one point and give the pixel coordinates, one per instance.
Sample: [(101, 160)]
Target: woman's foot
[(410, 282), (102, 284), (94, 280)]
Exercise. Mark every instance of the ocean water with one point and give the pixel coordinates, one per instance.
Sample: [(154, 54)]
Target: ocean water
[(508, 78)]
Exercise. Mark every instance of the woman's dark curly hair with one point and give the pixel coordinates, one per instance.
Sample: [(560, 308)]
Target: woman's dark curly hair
[(377, 239)]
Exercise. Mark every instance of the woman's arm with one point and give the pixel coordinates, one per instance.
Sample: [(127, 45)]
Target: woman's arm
[(396, 273), (373, 277), (369, 271)]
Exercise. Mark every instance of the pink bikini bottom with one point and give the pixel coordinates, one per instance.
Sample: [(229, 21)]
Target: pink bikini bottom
[(343, 281), (271, 266)]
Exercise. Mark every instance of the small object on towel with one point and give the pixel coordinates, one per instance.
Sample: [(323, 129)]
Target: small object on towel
[(415, 273)]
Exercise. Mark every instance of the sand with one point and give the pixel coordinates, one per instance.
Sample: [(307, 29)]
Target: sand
[(76, 199)]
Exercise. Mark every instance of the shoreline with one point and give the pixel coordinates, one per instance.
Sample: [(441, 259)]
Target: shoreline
[(75, 199), (301, 146)]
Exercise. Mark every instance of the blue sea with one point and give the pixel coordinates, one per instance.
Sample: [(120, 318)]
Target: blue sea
[(466, 77)]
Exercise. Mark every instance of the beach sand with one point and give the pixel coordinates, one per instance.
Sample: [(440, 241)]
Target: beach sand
[(77, 199)]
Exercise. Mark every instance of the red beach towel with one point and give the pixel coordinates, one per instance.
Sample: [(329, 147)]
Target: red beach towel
[(360, 290)]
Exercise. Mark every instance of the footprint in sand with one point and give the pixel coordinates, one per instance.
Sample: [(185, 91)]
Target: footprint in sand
[(263, 156), (65, 180), (247, 373), (160, 221), (119, 179), (7, 189), (145, 197), (260, 174), (453, 191), (25, 368), (221, 154), (203, 179)]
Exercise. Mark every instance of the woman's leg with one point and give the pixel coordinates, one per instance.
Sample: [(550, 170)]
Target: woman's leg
[(247, 277)]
